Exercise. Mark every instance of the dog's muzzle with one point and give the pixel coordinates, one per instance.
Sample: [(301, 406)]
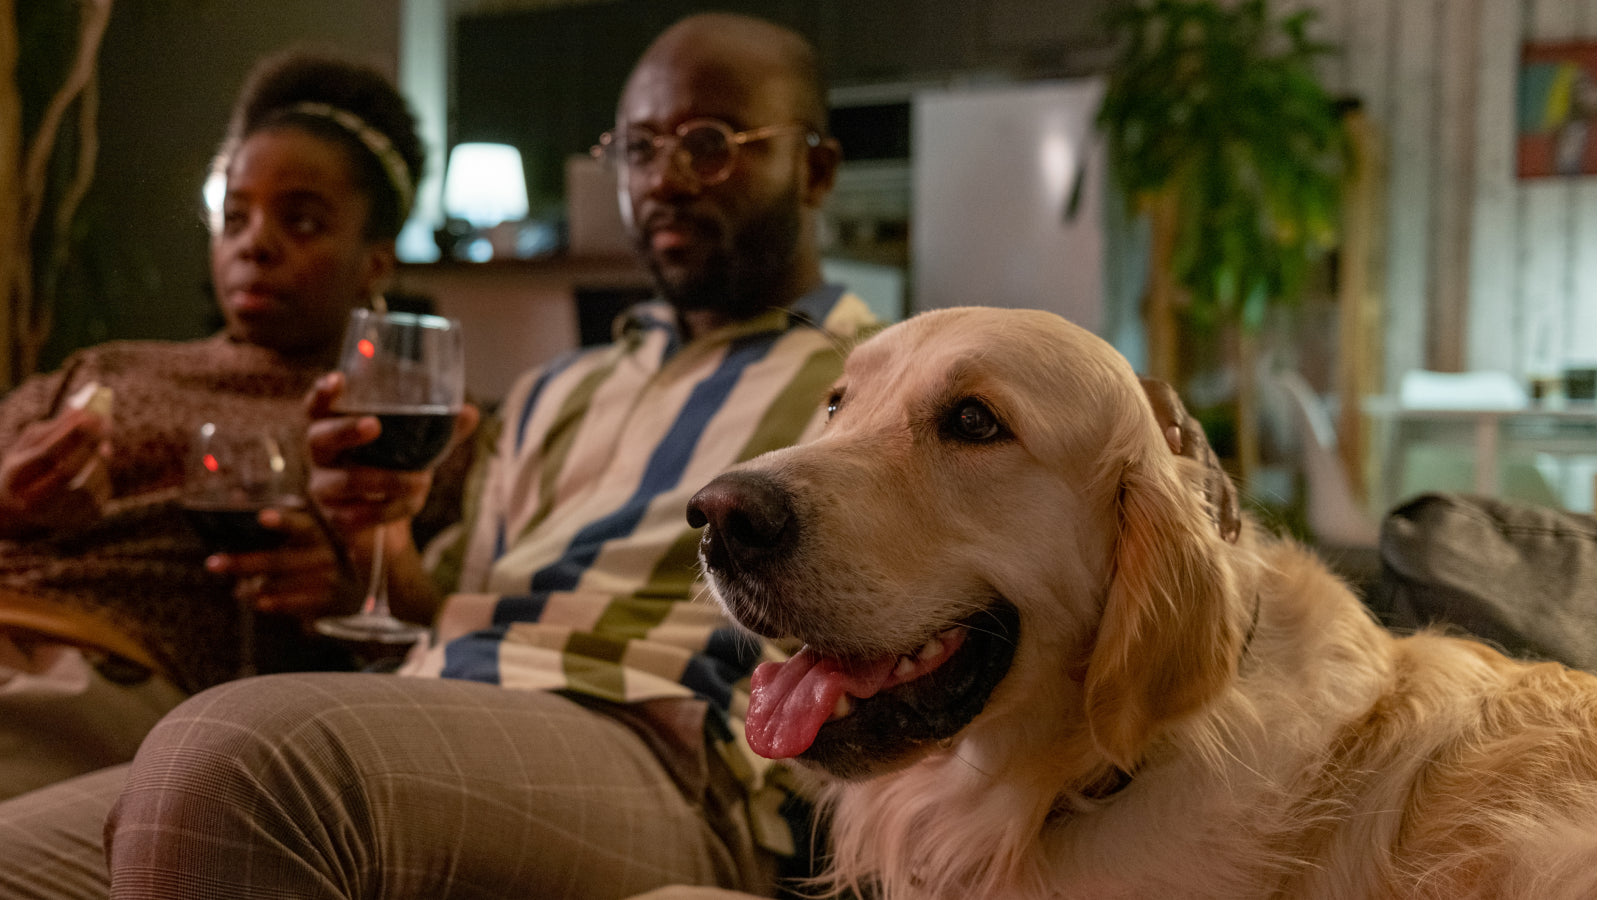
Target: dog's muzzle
[(851, 716)]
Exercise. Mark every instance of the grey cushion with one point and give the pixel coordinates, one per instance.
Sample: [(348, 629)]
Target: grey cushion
[(1519, 576)]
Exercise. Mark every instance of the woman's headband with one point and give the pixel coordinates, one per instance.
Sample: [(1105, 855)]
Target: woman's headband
[(394, 165)]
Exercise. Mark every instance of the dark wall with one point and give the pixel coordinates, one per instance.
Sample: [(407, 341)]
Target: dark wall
[(169, 72), (547, 80)]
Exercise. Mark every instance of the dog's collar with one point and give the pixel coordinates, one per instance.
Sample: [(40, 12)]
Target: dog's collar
[(1093, 795), (1109, 784), (1112, 782)]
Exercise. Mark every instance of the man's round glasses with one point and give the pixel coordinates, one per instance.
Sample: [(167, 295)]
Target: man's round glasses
[(705, 147)]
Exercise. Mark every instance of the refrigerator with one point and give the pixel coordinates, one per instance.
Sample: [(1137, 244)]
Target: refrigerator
[(993, 223)]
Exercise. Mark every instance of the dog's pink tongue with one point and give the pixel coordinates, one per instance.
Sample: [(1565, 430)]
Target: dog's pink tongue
[(791, 701)]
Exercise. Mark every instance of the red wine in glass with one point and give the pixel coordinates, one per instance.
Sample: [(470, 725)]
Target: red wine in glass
[(229, 528), (413, 438), (231, 474), (408, 371)]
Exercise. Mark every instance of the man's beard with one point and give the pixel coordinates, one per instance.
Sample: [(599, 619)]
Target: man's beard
[(742, 276)]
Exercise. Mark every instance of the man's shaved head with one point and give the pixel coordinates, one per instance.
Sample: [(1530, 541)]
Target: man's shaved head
[(758, 48)]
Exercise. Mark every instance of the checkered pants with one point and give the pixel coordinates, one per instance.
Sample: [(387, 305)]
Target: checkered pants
[(328, 785), (50, 839)]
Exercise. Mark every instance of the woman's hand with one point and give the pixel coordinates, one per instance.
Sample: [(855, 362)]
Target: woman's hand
[(306, 577), (1186, 438), (54, 478)]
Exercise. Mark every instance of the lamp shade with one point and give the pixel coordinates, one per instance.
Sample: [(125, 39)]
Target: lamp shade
[(484, 184)]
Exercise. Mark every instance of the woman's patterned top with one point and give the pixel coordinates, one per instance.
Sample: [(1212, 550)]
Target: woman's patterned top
[(140, 566)]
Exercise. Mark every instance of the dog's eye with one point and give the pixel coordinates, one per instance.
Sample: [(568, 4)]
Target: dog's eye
[(970, 420), (833, 402)]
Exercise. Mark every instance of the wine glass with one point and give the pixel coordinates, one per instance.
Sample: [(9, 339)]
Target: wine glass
[(406, 370), (231, 474)]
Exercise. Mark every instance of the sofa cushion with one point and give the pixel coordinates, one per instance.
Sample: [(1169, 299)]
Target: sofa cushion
[(1519, 576)]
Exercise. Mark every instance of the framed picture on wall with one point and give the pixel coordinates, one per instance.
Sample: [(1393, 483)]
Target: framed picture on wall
[(1556, 109)]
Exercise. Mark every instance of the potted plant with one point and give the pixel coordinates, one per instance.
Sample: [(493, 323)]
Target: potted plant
[(1219, 131)]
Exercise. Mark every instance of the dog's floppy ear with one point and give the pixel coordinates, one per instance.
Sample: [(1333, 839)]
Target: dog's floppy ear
[(1167, 641)]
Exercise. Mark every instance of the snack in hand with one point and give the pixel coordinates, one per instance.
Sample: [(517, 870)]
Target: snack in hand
[(94, 397)]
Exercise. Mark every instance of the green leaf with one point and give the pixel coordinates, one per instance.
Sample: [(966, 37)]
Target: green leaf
[(1254, 311), (1221, 105)]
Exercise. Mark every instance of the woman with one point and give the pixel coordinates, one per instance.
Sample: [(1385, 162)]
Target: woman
[(111, 609)]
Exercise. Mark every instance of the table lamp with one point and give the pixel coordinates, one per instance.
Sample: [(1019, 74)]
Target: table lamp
[(483, 187)]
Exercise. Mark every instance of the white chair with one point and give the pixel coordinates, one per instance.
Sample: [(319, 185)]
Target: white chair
[(1335, 515)]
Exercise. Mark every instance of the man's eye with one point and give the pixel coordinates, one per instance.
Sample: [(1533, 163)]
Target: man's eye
[(705, 143), (638, 149), (971, 421)]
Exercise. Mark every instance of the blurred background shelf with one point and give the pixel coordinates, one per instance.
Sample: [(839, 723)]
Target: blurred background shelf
[(520, 313)]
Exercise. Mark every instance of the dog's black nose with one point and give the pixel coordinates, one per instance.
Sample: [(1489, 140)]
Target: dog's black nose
[(746, 516)]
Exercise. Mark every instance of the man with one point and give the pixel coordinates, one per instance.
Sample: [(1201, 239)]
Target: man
[(584, 740)]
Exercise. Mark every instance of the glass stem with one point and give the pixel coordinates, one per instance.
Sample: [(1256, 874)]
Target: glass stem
[(377, 602), (247, 635)]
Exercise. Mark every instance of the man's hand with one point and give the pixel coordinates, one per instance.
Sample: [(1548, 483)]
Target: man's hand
[(1186, 438), (357, 499), (54, 478)]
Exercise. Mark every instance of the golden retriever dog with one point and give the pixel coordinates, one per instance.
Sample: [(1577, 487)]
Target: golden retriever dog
[(1032, 667)]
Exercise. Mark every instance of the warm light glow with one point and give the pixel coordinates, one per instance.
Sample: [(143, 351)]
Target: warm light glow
[(484, 184), (211, 463), (1057, 166), (366, 348)]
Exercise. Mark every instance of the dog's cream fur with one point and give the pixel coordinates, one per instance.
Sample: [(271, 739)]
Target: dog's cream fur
[(1281, 743)]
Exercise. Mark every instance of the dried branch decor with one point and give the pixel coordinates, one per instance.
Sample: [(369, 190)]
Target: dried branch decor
[(25, 318)]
